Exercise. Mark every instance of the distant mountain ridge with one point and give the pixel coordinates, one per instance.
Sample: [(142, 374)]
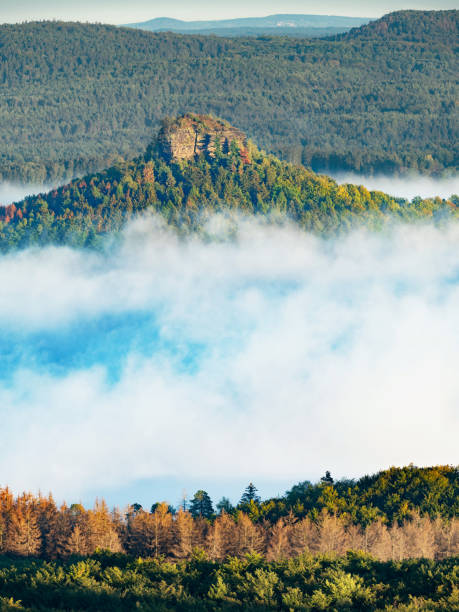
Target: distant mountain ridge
[(297, 24)]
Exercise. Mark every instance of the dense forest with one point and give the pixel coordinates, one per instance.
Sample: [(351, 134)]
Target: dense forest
[(111, 581), (413, 26), (77, 97), (381, 542), (185, 192), (394, 514)]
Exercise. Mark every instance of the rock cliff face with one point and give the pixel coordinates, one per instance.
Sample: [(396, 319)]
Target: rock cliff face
[(191, 135)]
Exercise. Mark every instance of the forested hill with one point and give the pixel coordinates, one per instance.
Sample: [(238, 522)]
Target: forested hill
[(385, 542), (75, 97), (412, 26), (199, 165)]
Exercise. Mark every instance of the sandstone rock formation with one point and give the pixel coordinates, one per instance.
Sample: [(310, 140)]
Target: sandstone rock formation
[(192, 134)]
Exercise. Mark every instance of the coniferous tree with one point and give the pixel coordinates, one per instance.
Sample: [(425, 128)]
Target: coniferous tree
[(221, 538), (201, 505), (102, 532), (303, 535), (250, 494), (184, 540), (327, 479), (24, 536), (224, 505), (279, 545), (331, 534), (250, 537)]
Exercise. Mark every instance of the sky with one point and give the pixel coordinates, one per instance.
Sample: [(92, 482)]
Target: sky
[(160, 365), (120, 11)]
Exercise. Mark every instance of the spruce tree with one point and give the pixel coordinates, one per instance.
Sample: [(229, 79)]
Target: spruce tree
[(250, 494), (327, 479), (201, 505), (224, 505)]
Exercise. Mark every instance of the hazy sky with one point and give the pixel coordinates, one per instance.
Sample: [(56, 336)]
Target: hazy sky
[(119, 11)]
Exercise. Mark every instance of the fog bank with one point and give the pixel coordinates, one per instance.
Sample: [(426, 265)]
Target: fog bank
[(403, 186), (14, 192), (274, 356)]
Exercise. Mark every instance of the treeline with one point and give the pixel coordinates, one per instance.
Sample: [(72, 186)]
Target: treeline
[(74, 97), (328, 517), (35, 527), (186, 193)]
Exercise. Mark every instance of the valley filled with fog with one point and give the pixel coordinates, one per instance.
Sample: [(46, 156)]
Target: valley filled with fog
[(407, 187), (14, 192), (273, 355)]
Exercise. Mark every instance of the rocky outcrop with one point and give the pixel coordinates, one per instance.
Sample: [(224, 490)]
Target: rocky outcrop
[(191, 135)]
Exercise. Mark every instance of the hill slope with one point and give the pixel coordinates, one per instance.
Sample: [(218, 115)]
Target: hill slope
[(197, 166), (412, 26), (74, 97)]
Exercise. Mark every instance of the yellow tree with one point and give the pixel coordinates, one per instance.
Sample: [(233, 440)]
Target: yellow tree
[(102, 533), (249, 536), (220, 541), (279, 546), (23, 536), (183, 535)]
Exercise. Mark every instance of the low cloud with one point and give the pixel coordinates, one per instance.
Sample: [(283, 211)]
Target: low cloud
[(274, 355), (407, 187), (14, 192)]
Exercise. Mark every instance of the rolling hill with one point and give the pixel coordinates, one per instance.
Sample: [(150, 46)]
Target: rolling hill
[(75, 97), (412, 26), (285, 25)]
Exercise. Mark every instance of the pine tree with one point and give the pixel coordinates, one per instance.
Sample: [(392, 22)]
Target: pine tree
[(224, 505), (250, 494), (250, 538), (279, 546), (332, 536), (419, 536), (24, 536), (101, 530), (220, 542), (183, 534), (327, 479), (201, 505), (76, 543), (377, 540), (46, 513), (150, 534), (6, 508), (304, 533)]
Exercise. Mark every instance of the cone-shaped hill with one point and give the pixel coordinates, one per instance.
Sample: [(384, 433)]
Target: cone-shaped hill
[(198, 165)]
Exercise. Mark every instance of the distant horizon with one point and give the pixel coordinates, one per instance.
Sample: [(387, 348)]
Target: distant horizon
[(200, 20), (115, 12), (259, 17)]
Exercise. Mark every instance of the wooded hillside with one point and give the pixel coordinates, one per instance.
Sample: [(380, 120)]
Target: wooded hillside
[(185, 192), (75, 97)]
